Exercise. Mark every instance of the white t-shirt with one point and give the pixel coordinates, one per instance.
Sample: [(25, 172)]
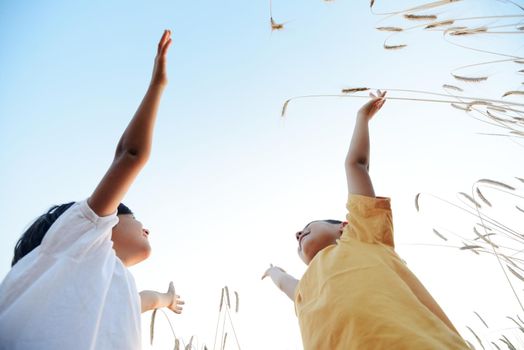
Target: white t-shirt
[(71, 292)]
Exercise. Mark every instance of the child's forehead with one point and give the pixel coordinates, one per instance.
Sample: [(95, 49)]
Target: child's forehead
[(305, 227)]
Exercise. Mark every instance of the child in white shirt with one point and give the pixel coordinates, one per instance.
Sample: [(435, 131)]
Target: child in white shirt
[(69, 286)]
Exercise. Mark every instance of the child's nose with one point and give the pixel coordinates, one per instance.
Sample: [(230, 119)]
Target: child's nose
[(146, 231)]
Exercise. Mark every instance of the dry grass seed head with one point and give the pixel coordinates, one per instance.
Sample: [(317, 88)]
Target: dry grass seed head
[(416, 201), (513, 92), (227, 297), (394, 47), (353, 90), (469, 31), (485, 237), (439, 235), (469, 79), (189, 346), (452, 87), (471, 248), (498, 109), (502, 120), (389, 29), (439, 24), (476, 336), (478, 102), (221, 300), (420, 17), (461, 107), (237, 300), (275, 25), (284, 108), (518, 275), (470, 199), (508, 343), (482, 198), (152, 327), (480, 318), (496, 183), (224, 344)]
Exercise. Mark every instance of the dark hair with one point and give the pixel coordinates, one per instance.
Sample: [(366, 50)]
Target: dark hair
[(32, 237), (329, 221)]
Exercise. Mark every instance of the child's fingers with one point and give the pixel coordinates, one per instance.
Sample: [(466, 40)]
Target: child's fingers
[(163, 39), (160, 42), (166, 46), (372, 95)]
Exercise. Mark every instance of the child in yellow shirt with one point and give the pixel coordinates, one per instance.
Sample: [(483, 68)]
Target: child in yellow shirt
[(357, 293)]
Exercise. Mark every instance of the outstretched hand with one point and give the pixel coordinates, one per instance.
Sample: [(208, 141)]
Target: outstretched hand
[(159, 71), (373, 106), (271, 269), (176, 303)]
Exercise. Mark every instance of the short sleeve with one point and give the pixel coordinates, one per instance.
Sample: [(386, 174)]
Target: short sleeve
[(78, 230), (369, 220)]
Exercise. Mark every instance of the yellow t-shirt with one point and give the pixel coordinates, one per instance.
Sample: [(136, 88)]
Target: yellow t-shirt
[(358, 294)]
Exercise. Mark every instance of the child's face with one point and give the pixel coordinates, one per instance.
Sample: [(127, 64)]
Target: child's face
[(316, 236), (130, 240)]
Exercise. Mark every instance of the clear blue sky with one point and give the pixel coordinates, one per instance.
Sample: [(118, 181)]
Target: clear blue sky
[(229, 182)]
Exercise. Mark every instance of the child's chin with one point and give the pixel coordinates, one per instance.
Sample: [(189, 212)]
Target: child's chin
[(143, 254)]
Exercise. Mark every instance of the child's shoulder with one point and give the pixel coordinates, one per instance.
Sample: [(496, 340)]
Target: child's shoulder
[(366, 202)]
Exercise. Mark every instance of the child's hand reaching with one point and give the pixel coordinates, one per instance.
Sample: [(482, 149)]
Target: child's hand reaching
[(159, 71), (176, 303), (151, 300), (282, 280), (272, 270), (372, 107)]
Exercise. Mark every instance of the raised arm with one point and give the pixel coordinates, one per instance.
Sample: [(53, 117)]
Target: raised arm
[(357, 159), (134, 147), (284, 281)]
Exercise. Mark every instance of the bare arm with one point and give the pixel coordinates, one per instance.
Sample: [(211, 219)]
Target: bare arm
[(357, 159), (284, 281), (150, 300), (134, 147)]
